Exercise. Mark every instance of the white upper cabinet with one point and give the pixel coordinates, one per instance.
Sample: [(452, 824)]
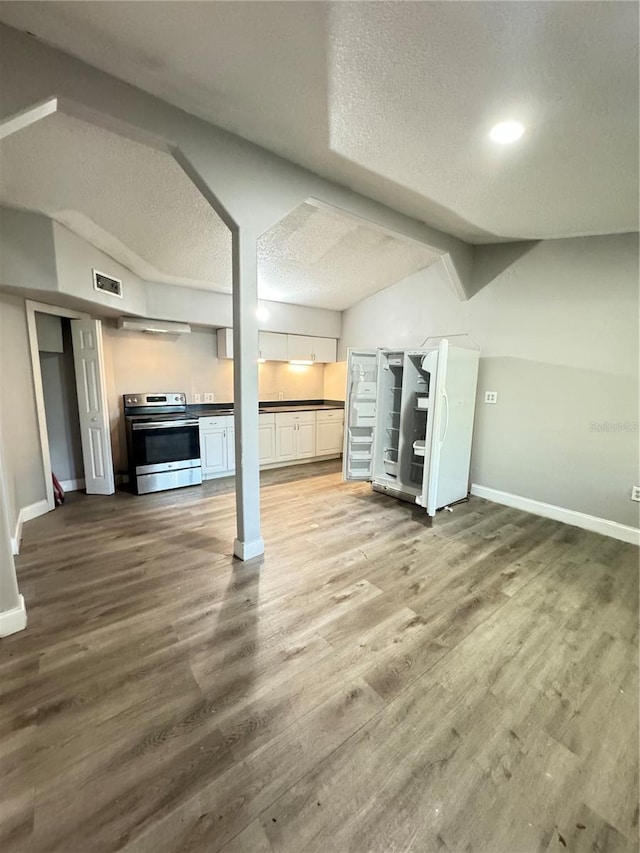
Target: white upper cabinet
[(306, 348), (324, 349), (225, 343), (272, 347), (299, 348)]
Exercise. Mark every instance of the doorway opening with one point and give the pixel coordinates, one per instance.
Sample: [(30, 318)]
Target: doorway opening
[(68, 367), (55, 350)]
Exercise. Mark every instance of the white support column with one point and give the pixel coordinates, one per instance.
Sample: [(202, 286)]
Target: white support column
[(249, 542), (13, 615)]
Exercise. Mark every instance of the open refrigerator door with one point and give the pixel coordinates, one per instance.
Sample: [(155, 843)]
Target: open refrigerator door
[(360, 414), (435, 363)]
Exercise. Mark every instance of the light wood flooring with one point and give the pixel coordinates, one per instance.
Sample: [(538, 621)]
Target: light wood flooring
[(376, 684)]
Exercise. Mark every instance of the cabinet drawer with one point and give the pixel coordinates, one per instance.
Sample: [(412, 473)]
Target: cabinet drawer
[(283, 418), (267, 419), (330, 415), (219, 422)]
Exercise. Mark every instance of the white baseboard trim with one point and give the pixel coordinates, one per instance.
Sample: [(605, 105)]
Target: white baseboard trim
[(13, 620), (558, 513), (27, 513), (248, 550), (73, 485)]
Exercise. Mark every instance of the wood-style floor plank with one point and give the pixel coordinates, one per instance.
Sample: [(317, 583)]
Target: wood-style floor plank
[(374, 683)]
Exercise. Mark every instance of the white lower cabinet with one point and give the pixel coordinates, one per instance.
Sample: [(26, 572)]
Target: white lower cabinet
[(329, 432), (267, 439), (295, 436), (282, 436), (217, 446)]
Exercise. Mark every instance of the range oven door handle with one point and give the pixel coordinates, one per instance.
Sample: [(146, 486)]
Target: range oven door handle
[(165, 425)]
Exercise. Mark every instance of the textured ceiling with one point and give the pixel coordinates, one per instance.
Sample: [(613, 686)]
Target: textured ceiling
[(138, 206), (341, 259), (131, 201), (396, 99)]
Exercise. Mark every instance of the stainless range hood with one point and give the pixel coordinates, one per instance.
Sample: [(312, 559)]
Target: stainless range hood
[(142, 324)]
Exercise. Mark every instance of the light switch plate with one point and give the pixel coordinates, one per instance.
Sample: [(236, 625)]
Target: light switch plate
[(635, 493), (197, 398), (280, 395), (491, 396), (208, 398)]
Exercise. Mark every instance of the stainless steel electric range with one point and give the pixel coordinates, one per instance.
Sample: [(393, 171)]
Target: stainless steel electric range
[(163, 442)]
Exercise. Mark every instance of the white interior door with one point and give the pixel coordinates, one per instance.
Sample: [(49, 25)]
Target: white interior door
[(92, 403), (360, 414)]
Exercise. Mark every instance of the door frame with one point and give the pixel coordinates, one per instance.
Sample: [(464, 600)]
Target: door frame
[(70, 314)]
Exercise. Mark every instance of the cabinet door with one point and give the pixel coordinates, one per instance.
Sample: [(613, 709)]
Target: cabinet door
[(225, 343), (273, 347), (285, 441), (299, 348), (324, 349), (231, 449), (267, 446), (213, 451), (329, 437), (305, 440)]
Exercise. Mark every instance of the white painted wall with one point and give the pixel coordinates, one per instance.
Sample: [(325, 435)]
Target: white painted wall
[(558, 332), (335, 380), (19, 426), (27, 253)]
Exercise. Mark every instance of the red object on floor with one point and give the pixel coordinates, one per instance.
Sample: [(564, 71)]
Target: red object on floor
[(58, 491)]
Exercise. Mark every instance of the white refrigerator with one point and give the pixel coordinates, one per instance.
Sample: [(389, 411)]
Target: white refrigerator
[(409, 421)]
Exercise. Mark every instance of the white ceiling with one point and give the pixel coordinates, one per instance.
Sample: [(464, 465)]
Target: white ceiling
[(334, 259), (137, 205), (396, 99)]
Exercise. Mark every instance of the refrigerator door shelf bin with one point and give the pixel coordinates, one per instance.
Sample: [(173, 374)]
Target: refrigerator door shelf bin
[(361, 439), (360, 454), (390, 468), (418, 448)]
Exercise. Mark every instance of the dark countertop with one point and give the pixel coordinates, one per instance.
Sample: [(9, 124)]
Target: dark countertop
[(209, 410)]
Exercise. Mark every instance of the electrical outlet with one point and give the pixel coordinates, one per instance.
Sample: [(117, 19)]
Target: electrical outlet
[(635, 493), (197, 398), (208, 398), (280, 395), (491, 396)]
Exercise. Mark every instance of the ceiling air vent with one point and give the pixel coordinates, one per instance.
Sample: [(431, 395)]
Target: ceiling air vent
[(107, 284)]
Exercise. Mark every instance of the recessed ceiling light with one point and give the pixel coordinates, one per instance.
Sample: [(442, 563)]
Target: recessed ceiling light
[(507, 131)]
